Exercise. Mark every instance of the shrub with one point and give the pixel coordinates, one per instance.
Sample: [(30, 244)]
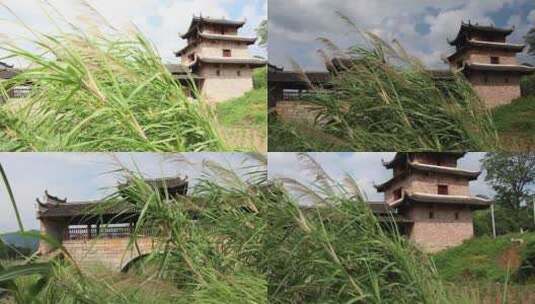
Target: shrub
[(526, 272), (260, 78), (527, 85)]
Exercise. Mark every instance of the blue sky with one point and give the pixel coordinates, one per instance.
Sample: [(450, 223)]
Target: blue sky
[(160, 20), (86, 176), (421, 26)]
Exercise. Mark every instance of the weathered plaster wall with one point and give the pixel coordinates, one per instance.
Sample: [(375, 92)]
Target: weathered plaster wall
[(228, 84), (215, 49), (216, 29), (54, 229)]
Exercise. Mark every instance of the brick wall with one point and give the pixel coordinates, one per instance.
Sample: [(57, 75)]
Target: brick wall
[(428, 183), (499, 89), (443, 230), (483, 56)]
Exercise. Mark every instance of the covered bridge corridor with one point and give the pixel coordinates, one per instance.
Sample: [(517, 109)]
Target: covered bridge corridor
[(99, 236)]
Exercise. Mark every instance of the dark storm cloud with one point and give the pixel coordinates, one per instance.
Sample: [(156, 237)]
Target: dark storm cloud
[(422, 26)]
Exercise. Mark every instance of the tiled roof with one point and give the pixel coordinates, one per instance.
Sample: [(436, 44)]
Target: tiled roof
[(226, 60), (468, 27), (294, 76), (523, 69), (198, 20)]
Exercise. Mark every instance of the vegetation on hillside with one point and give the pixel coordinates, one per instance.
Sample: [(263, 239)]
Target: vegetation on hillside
[(291, 136), (486, 259), (382, 99), (240, 239), (247, 115), (487, 270), (516, 123), (527, 86)]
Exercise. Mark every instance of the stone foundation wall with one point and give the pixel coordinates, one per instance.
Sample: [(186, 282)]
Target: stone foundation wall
[(107, 252), (443, 230), (298, 111)]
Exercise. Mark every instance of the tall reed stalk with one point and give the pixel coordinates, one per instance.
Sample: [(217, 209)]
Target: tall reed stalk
[(382, 99), (241, 238), (101, 91), (11, 197)]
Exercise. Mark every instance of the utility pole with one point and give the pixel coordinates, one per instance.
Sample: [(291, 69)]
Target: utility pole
[(493, 220), (533, 200)]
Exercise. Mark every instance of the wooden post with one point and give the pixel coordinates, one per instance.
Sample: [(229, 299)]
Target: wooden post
[(533, 210), (89, 231), (493, 220)]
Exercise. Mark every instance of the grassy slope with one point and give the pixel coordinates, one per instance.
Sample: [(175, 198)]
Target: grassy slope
[(481, 259), (244, 119), (248, 110), (516, 123), (290, 136)]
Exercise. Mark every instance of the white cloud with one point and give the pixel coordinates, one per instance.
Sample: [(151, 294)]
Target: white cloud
[(531, 17), (160, 21), (293, 34)]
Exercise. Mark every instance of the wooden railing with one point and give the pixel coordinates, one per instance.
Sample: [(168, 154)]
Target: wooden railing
[(294, 95), (88, 233)]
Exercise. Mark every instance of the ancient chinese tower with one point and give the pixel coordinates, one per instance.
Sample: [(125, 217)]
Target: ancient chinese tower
[(219, 58), (484, 56), (432, 193)]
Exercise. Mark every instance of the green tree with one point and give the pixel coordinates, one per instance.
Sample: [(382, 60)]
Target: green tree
[(530, 41), (512, 176), (262, 32)]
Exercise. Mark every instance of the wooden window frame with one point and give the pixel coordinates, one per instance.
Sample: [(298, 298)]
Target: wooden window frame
[(441, 188), (398, 193)]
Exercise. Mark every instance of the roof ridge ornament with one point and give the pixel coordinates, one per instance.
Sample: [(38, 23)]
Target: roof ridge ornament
[(54, 199)]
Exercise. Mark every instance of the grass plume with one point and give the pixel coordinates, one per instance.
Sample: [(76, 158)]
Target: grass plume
[(101, 91)]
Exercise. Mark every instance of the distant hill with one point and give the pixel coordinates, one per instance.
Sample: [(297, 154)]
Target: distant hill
[(15, 239)]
